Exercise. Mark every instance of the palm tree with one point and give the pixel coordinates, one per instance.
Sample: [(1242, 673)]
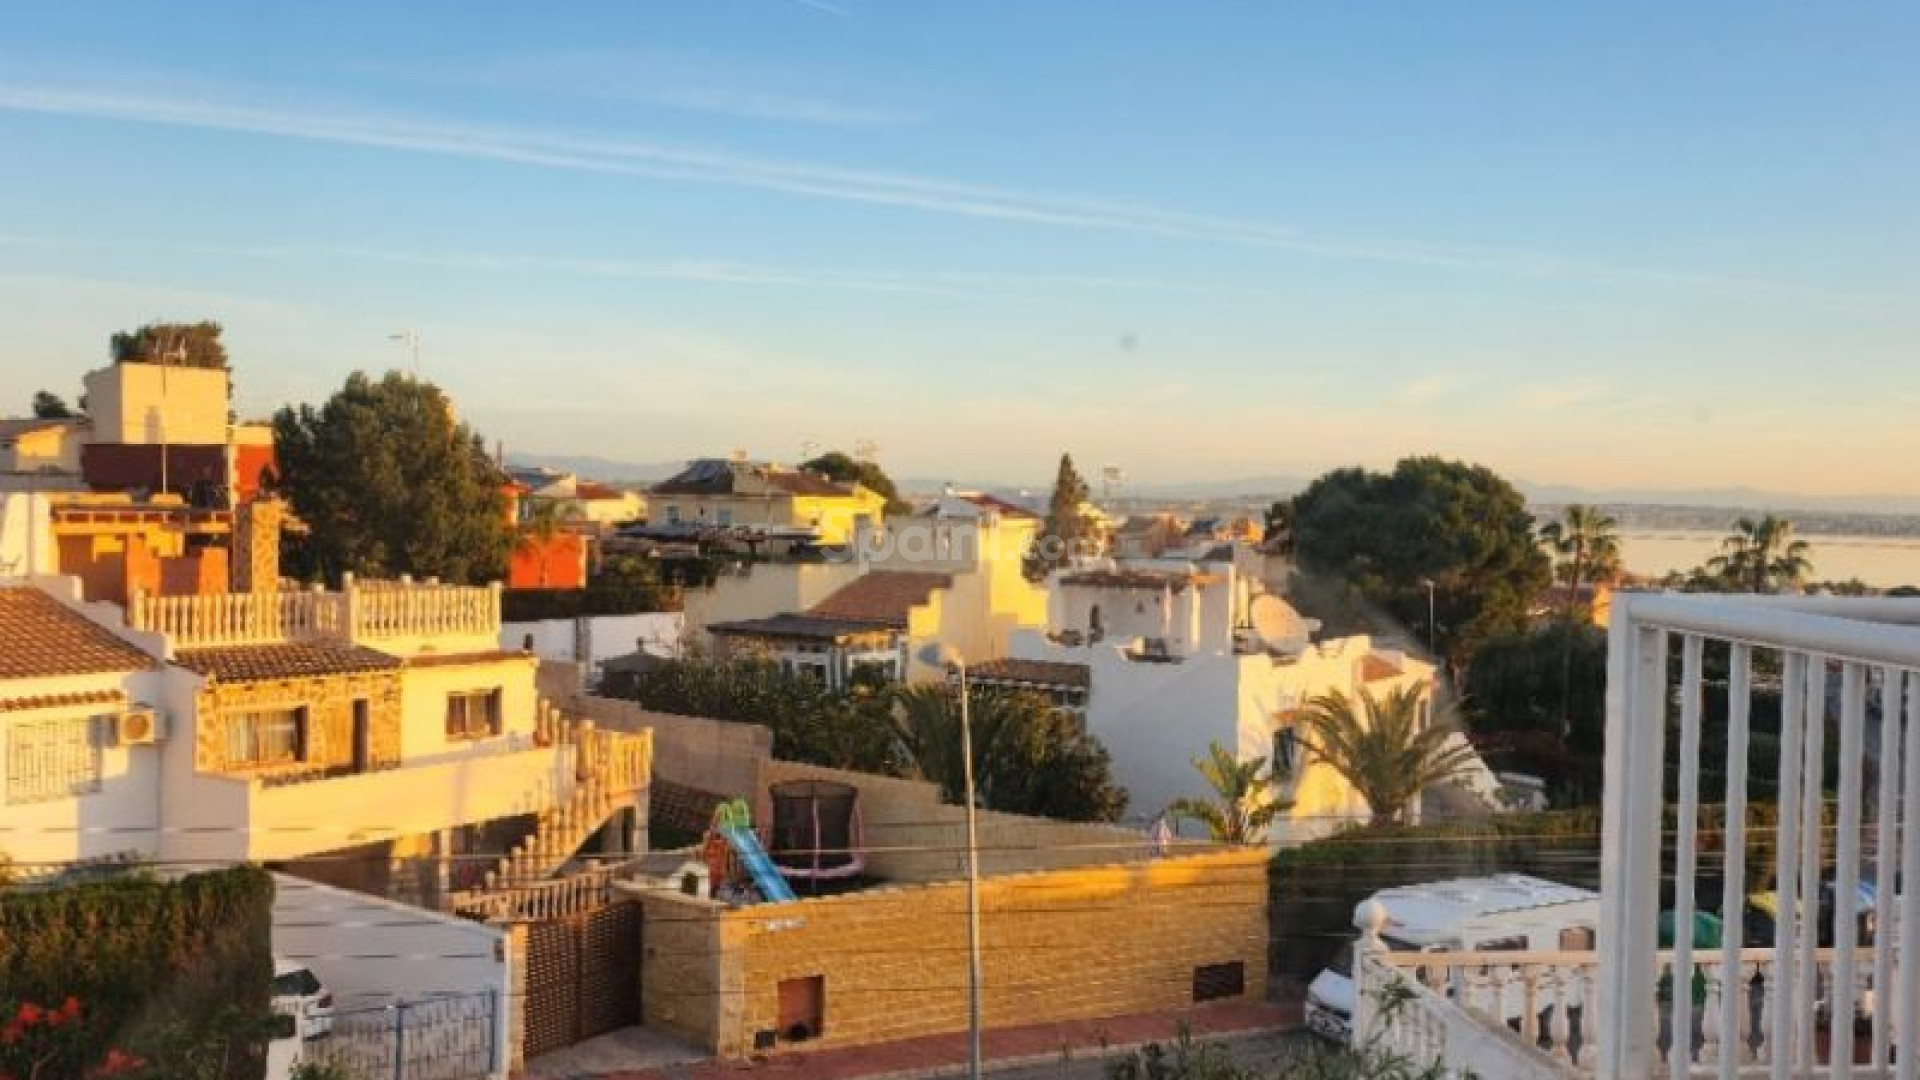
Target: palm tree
[(1763, 556), (1588, 544), (1382, 748), (1243, 805)]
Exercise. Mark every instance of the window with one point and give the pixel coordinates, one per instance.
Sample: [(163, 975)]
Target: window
[(673, 515), (1286, 752), (1505, 944), (473, 714), (53, 759), (725, 517), (259, 737)]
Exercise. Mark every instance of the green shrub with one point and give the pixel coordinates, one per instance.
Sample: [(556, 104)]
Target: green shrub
[(178, 973)]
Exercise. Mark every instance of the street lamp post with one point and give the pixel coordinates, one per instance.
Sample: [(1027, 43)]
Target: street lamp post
[(1428, 582), (948, 656)]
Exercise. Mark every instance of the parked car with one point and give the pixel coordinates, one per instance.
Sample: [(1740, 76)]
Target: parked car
[(1506, 912), (299, 993)]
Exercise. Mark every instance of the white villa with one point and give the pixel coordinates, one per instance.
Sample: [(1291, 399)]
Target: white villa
[(1163, 659), (376, 737)]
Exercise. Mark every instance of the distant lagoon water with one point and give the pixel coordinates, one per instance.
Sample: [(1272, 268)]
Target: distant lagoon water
[(1880, 561)]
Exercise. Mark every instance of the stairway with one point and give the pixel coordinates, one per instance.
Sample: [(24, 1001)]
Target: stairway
[(610, 766)]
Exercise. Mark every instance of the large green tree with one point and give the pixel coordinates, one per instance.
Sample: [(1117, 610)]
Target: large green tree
[(1539, 697), (1387, 535), (1383, 748), (195, 345), (388, 482), (1067, 531), (843, 468), (1029, 757), (1762, 555)]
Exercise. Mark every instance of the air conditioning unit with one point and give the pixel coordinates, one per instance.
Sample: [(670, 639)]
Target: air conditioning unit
[(139, 726)]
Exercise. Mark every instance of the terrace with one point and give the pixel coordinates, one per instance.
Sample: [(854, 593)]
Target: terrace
[(402, 617), (1694, 686)]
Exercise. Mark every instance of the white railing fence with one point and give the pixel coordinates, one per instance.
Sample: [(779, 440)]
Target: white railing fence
[(359, 611), (1685, 674)]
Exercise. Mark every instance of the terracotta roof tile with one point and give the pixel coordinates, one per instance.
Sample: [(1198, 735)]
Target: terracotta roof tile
[(41, 637), (1031, 672), (1373, 668), (63, 701), (288, 660), (1176, 580), (882, 596)]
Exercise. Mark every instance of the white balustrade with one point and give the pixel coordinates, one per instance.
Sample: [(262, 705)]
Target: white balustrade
[(1846, 676), (360, 611)]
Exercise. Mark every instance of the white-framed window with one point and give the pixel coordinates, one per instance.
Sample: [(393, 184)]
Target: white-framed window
[(673, 515), (257, 738), (1286, 751), (54, 759), (473, 714)]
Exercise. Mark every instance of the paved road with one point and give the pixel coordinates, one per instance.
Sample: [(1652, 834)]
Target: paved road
[(1262, 1051)]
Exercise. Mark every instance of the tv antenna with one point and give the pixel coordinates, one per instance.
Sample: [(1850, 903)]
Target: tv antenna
[(411, 338)]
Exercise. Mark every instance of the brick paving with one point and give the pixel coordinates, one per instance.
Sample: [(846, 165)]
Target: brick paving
[(1003, 1048)]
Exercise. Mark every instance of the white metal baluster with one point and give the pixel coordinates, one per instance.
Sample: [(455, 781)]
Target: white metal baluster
[(1783, 987), (1630, 851), (1686, 830), (1734, 1003), (1886, 860), (1907, 1000), (1846, 930), (1812, 847)]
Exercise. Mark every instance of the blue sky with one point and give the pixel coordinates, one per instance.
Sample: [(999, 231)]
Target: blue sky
[(1621, 244)]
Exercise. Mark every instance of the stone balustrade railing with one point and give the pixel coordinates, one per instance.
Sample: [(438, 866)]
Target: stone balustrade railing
[(553, 899), (359, 611), (1550, 1002)]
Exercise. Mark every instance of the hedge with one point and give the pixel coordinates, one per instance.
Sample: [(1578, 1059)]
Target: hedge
[(178, 972)]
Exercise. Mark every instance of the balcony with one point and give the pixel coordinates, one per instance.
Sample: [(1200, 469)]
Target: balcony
[(401, 616), (251, 819), (1716, 704)]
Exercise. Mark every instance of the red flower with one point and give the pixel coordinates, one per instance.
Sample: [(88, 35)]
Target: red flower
[(118, 1063), (71, 1008), (10, 1034), (29, 1014)]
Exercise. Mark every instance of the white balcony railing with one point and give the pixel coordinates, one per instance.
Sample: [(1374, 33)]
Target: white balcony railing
[(1847, 679), (361, 611), (1542, 1013), (1713, 704)]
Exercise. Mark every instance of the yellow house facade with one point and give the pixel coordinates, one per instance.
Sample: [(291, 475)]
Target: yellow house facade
[(716, 493)]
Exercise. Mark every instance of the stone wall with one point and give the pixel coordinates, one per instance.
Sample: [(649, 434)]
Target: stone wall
[(329, 703), (1060, 945), (695, 752)]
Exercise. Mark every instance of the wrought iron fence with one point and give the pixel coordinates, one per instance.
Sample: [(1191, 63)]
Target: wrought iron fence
[(441, 1038)]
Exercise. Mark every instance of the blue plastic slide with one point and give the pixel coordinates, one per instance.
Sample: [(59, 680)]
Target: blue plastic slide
[(766, 876)]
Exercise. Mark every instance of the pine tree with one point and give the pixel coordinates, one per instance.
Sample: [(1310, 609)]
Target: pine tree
[(1066, 531)]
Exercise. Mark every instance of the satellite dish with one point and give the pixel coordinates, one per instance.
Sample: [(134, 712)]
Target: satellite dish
[(1277, 624)]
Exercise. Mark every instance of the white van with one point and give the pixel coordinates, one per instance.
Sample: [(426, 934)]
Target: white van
[(1506, 912)]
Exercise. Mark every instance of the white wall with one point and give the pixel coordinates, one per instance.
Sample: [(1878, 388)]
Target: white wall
[(119, 819), (151, 403), (26, 535), (423, 707), (606, 636), (371, 952)]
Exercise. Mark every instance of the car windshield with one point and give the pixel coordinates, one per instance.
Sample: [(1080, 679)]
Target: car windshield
[(1342, 963), (301, 983)]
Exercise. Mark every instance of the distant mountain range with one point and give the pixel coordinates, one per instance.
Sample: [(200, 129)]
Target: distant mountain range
[(1256, 489)]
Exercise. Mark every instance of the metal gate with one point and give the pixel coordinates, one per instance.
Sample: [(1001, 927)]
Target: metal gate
[(583, 976)]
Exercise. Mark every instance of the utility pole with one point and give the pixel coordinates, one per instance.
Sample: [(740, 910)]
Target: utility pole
[(412, 340)]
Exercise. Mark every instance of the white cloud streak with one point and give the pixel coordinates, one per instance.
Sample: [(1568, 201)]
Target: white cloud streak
[(653, 160)]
